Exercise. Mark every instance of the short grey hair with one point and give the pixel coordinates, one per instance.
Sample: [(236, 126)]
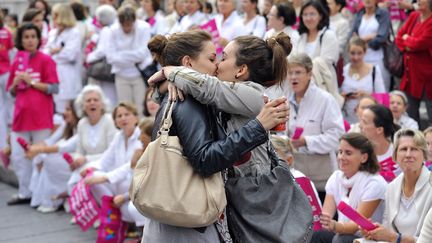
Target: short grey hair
[(418, 137), (301, 59), (79, 101), (401, 94), (106, 14)]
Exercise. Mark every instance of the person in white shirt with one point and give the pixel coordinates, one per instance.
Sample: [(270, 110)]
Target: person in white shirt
[(316, 38), (54, 171), (360, 78), (106, 15), (112, 174), (318, 113), (377, 124), (253, 23), (228, 21), (408, 198), (127, 52), (358, 184), (338, 23), (64, 45), (193, 18), (154, 16), (176, 15), (282, 17), (398, 106), (95, 131)]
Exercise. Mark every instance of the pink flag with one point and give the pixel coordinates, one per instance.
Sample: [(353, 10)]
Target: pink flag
[(82, 204), (306, 185), (212, 29)]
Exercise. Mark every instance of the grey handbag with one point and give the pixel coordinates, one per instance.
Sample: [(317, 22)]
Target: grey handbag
[(100, 70), (268, 208)]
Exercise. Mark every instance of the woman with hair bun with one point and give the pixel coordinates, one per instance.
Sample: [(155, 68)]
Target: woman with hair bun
[(377, 124)]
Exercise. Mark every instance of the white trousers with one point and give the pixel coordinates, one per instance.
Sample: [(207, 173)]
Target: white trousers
[(140, 220), (21, 165), (131, 90), (50, 181), (99, 190), (6, 110)]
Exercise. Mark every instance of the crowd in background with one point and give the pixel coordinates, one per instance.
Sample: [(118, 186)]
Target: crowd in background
[(339, 83)]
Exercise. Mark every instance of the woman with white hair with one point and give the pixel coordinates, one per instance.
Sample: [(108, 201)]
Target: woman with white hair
[(398, 107), (64, 46), (107, 15), (95, 130)]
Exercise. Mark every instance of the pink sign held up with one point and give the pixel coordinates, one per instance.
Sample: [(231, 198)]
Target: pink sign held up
[(83, 206), (214, 32), (306, 185)]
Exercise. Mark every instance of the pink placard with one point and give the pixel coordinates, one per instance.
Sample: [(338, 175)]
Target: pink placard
[(306, 185), (352, 214), (297, 132), (112, 228), (211, 27), (382, 98), (82, 205)]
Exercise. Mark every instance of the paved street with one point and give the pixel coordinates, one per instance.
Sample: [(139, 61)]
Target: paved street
[(22, 224)]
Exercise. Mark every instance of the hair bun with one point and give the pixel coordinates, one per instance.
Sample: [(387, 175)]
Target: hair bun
[(157, 45)]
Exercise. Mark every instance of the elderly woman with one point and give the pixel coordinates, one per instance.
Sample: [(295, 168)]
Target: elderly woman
[(95, 131), (113, 175), (33, 84), (414, 40), (408, 197), (398, 107), (127, 52), (376, 123), (316, 38), (228, 21), (372, 24), (282, 17), (318, 113), (106, 15), (356, 183), (64, 46)]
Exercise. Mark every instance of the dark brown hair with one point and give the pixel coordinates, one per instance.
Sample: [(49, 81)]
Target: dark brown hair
[(70, 128), (171, 51), (126, 14), (362, 143), (20, 33), (265, 59), (47, 8), (30, 14)]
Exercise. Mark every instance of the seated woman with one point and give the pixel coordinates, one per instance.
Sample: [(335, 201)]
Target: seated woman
[(358, 184), (377, 125), (95, 131), (398, 107), (112, 175), (408, 197), (55, 171)]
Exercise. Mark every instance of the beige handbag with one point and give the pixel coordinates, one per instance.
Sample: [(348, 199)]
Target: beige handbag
[(166, 188)]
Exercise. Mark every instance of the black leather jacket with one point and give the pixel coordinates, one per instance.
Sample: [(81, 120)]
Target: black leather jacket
[(204, 143)]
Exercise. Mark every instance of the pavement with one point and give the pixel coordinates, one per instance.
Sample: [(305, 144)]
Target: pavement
[(23, 224)]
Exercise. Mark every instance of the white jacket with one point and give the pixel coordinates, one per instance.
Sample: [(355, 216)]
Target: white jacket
[(116, 159), (340, 25), (321, 118), (230, 28), (196, 19), (68, 60), (125, 50), (422, 199)]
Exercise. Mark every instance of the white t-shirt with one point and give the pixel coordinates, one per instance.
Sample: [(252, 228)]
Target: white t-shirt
[(352, 84), (310, 47), (256, 26), (366, 187), (370, 26), (407, 218)]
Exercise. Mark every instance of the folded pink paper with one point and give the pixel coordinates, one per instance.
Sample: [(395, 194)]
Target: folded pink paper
[(352, 214)]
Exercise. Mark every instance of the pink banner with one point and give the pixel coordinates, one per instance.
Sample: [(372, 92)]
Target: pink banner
[(306, 185), (82, 205), (212, 29), (388, 166)]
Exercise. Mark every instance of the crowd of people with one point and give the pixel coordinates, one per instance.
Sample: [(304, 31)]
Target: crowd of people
[(92, 86)]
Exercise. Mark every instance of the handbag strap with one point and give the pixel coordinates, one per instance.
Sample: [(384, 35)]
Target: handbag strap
[(164, 129)]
